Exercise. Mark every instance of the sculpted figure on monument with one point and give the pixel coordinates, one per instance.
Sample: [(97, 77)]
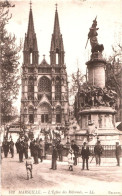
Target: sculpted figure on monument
[(92, 35), (96, 96)]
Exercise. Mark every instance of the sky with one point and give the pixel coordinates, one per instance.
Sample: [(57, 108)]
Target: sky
[(75, 19)]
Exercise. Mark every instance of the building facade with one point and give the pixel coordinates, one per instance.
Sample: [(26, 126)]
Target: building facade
[(44, 99)]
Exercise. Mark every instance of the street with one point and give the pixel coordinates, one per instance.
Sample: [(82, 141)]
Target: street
[(102, 180)]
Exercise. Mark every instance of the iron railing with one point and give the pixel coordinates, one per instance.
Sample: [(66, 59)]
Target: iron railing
[(108, 152)]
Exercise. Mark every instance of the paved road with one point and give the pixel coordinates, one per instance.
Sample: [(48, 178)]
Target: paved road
[(103, 180)]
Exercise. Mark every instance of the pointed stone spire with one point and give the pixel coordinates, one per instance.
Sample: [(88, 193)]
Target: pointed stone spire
[(57, 48), (30, 43), (31, 30), (56, 30)]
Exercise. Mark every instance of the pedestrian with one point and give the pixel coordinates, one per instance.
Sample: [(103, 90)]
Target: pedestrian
[(21, 149), (98, 151), (5, 146), (11, 147), (75, 148), (31, 146), (43, 149), (35, 152), (54, 157), (60, 150), (85, 153), (17, 145), (26, 148), (118, 153), (70, 159), (29, 167), (40, 150)]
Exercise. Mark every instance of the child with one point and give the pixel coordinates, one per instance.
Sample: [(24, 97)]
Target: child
[(70, 159), (29, 167)]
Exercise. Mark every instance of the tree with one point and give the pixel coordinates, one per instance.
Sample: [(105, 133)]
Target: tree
[(114, 76), (9, 70), (113, 70), (77, 81)]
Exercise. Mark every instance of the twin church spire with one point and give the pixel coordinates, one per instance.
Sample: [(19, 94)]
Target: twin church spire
[(30, 44)]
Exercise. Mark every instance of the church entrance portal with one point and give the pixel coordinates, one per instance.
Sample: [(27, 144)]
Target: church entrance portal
[(44, 112)]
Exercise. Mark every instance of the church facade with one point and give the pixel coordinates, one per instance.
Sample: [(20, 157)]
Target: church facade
[(44, 99)]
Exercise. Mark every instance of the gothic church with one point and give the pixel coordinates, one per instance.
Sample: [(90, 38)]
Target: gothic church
[(44, 99)]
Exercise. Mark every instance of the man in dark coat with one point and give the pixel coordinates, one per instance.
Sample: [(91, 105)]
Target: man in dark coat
[(11, 147), (26, 148), (31, 146), (35, 151), (54, 158), (98, 150), (85, 153), (21, 149), (17, 145), (5, 146), (118, 153), (75, 148), (60, 150)]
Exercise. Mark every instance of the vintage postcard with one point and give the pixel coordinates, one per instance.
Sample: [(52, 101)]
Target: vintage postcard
[(61, 97)]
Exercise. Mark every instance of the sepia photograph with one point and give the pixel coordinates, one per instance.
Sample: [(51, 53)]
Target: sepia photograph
[(61, 97)]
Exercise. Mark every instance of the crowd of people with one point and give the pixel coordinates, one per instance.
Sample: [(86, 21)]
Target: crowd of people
[(36, 147), (34, 150)]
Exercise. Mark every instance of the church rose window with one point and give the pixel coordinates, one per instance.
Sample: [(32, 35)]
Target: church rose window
[(45, 84)]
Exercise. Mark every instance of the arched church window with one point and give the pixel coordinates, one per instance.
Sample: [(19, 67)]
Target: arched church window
[(57, 56), (31, 58), (45, 84), (31, 114), (58, 115), (30, 84), (30, 88), (58, 88)]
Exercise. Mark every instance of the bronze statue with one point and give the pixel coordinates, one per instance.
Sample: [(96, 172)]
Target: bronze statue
[(92, 35)]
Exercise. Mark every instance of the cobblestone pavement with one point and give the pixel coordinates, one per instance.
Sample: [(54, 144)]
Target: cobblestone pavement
[(103, 180)]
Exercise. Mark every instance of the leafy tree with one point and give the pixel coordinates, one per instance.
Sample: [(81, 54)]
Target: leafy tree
[(9, 64), (114, 77), (114, 70)]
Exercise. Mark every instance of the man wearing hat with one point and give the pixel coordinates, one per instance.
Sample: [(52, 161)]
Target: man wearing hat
[(60, 150), (85, 153), (118, 153), (5, 146), (75, 148), (21, 149), (98, 151), (54, 157), (11, 147)]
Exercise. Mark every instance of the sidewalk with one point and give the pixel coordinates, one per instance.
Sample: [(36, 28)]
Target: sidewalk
[(102, 180)]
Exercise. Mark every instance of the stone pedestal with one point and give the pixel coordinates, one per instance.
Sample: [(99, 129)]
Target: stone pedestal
[(103, 119), (96, 72)]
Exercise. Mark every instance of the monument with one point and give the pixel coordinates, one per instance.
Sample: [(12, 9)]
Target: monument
[(97, 113)]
